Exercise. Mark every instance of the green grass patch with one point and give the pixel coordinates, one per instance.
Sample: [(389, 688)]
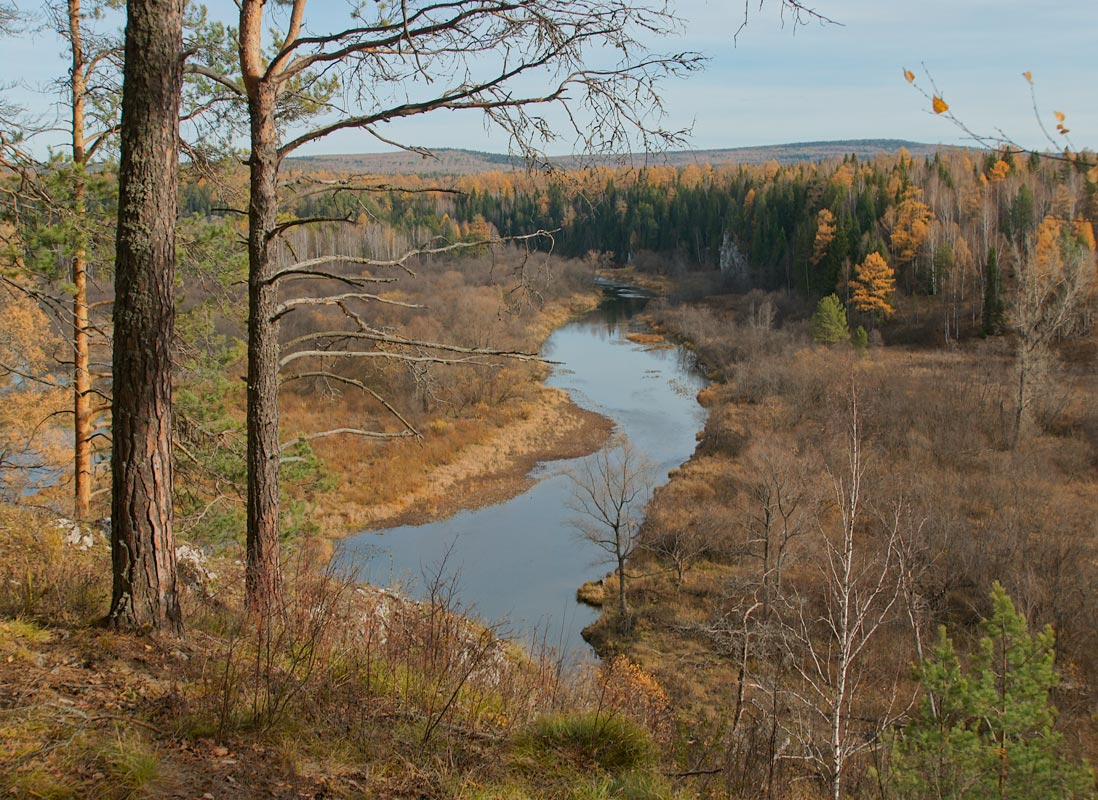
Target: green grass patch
[(609, 742), (24, 630), (131, 768)]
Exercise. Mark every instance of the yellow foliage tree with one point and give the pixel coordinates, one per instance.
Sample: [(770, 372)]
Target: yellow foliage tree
[(825, 233), (873, 284), (1055, 285), (844, 176), (1084, 231), (999, 171), (910, 226)]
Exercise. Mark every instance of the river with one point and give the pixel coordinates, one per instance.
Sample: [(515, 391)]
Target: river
[(521, 561)]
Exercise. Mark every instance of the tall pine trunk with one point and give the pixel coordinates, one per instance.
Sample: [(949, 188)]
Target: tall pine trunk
[(82, 413), (263, 571), (142, 543)]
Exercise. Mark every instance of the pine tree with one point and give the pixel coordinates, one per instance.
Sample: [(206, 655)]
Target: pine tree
[(829, 322), (873, 283), (142, 540), (986, 732)]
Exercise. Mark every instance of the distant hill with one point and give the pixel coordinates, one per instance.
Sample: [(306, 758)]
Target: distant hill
[(448, 161)]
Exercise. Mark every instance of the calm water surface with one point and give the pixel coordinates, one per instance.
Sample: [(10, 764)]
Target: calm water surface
[(521, 561)]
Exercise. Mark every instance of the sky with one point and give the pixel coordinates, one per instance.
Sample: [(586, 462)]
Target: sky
[(776, 83)]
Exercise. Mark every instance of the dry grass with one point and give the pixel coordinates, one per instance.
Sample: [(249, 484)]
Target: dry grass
[(345, 691), (459, 463), (646, 338), (932, 423)]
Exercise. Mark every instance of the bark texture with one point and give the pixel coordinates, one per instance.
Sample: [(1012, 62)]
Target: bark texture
[(82, 411), (142, 542), (263, 574), (263, 570)]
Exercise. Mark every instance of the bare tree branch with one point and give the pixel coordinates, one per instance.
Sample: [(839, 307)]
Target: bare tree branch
[(289, 305), (296, 223), (333, 376), (389, 338), (383, 354), (217, 77), (308, 437)]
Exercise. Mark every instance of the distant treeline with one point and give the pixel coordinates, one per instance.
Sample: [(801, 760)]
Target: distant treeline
[(801, 227)]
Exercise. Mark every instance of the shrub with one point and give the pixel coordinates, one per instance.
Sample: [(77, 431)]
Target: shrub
[(861, 339)]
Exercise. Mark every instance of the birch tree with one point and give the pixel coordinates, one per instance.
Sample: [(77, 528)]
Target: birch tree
[(610, 491), (1055, 281), (828, 647)]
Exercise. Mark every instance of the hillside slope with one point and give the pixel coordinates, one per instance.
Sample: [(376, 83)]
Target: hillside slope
[(467, 162)]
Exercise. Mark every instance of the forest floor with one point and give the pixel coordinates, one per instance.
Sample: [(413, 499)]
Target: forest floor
[(342, 692)]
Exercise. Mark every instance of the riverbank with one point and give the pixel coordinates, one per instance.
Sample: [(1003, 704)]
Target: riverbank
[(495, 466), (461, 463), (520, 561), (304, 704)]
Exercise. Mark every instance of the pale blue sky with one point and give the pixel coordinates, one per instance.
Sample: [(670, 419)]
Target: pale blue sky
[(820, 82)]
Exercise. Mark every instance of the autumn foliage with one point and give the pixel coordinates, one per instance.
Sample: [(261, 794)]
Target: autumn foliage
[(873, 284)]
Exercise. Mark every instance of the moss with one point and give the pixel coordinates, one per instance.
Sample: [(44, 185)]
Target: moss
[(39, 783)]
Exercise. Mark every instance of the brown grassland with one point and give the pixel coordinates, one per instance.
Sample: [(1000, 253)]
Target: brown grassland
[(730, 589)]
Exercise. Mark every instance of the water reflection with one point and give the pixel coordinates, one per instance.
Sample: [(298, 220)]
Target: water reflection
[(521, 560)]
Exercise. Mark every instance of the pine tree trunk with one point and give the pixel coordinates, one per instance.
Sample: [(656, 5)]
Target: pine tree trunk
[(82, 413), (142, 544), (263, 570)]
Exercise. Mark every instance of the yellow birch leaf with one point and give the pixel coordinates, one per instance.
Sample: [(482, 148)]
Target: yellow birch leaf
[(1028, 76), (909, 75), (940, 105), (1059, 116)]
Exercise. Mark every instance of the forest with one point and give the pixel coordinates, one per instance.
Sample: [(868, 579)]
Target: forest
[(874, 578)]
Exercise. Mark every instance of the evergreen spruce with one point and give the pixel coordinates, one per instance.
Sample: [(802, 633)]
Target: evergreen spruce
[(994, 311), (986, 732), (829, 322)]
